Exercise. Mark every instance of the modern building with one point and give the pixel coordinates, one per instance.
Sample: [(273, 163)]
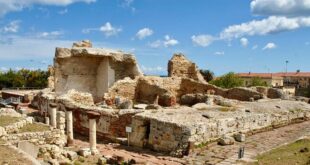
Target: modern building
[(268, 78), (297, 79)]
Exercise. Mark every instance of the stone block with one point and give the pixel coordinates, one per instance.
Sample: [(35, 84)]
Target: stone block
[(71, 155), (240, 137), (85, 152), (29, 148), (226, 140), (102, 161)]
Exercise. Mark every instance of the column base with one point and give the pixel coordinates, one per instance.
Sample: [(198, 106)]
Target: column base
[(94, 151), (70, 142)]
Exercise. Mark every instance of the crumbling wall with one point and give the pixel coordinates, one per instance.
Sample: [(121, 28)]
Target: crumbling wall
[(91, 70), (168, 91), (51, 78), (243, 94), (125, 88), (180, 66)]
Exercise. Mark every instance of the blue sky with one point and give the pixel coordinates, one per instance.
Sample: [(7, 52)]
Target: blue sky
[(220, 35)]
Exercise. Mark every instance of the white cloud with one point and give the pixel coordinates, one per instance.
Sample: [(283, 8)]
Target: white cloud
[(18, 5), (12, 27), (145, 32), (270, 45), (128, 4), (170, 41), (202, 40), (255, 47), (244, 42), (219, 53), (155, 44), (272, 24), (281, 7), (50, 35), (152, 70), (62, 12), (109, 30), (167, 42)]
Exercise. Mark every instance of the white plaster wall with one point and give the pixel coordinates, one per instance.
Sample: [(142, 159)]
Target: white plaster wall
[(105, 77), (77, 73)]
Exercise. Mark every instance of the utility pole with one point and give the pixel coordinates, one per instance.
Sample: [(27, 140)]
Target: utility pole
[(285, 78), (286, 62)]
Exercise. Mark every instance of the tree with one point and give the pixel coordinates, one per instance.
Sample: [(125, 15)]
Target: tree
[(23, 78), (257, 81), (229, 80), (208, 75)]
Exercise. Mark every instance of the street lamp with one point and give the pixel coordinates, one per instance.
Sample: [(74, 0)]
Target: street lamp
[(286, 62)]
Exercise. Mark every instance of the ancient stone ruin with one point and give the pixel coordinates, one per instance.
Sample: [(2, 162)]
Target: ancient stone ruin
[(100, 92)]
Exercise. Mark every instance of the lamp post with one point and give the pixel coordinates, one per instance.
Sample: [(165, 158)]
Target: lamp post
[(286, 62)]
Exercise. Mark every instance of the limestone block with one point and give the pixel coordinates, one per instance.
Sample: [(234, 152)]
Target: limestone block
[(240, 137), (71, 155), (201, 106), (226, 140), (84, 43), (140, 106), (102, 161), (84, 152)]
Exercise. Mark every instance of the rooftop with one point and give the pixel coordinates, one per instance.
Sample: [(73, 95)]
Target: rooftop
[(272, 75)]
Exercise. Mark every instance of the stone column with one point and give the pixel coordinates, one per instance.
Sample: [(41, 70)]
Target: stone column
[(61, 121), (92, 136), (69, 121), (47, 120), (53, 115)]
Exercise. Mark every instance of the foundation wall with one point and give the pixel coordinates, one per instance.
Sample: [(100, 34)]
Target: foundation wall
[(177, 139)]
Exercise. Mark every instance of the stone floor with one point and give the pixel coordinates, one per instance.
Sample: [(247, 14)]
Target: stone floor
[(141, 156), (254, 145), (213, 153)]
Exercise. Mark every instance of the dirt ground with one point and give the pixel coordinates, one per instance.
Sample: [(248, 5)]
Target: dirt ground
[(10, 157), (141, 156)]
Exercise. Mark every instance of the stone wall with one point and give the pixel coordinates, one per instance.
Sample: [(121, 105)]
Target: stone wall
[(91, 70), (111, 123), (38, 138), (180, 66), (164, 90), (174, 131)]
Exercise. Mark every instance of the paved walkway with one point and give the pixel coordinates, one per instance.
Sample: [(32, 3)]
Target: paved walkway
[(254, 145)]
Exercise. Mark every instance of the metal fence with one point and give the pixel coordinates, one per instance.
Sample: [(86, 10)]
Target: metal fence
[(10, 100), (21, 88)]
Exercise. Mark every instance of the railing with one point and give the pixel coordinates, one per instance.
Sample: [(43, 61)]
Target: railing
[(21, 88), (10, 100)]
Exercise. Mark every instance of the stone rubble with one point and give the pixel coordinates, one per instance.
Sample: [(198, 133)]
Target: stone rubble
[(166, 114)]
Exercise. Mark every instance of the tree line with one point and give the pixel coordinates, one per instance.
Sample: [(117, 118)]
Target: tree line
[(24, 78), (230, 80)]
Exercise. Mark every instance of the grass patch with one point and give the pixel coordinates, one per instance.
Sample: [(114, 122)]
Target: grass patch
[(7, 120), (227, 109), (35, 127), (10, 156), (294, 153)]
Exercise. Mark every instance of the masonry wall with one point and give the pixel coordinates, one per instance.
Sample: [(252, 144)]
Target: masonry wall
[(177, 139)]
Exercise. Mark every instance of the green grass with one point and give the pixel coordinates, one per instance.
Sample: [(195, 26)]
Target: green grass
[(227, 109), (7, 120), (287, 155), (35, 127)]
